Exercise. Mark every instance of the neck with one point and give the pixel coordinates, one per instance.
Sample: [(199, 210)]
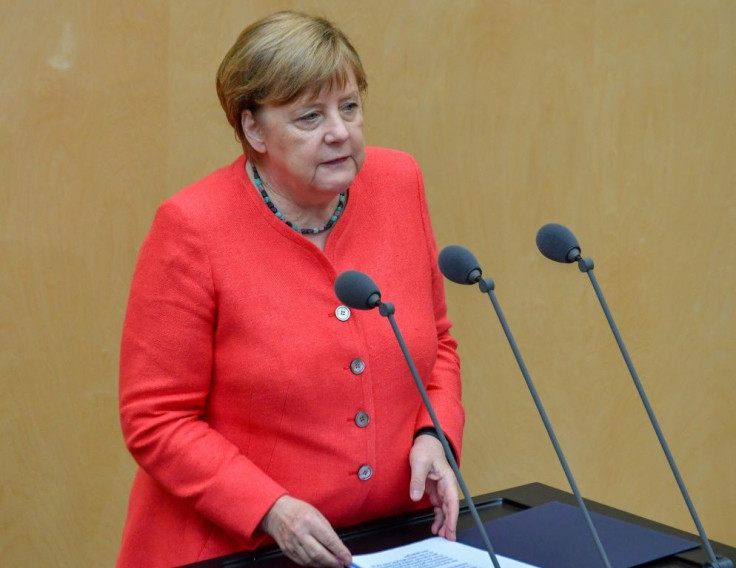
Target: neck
[(307, 218)]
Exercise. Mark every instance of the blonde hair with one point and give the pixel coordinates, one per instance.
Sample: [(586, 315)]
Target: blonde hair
[(279, 58)]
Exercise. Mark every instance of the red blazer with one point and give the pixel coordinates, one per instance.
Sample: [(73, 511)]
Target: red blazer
[(239, 383)]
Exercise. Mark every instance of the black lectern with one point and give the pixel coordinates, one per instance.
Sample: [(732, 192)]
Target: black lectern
[(403, 529)]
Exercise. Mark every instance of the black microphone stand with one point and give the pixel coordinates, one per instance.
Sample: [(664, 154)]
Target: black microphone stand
[(487, 285), (387, 310), (586, 265)]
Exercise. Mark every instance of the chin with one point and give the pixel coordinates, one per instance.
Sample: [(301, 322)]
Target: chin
[(339, 182)]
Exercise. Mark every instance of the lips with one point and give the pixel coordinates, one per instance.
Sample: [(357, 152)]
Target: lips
[(336, 161)]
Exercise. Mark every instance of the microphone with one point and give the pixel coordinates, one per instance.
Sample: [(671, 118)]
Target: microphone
[(357, 290), (558, 243), (459, 265)]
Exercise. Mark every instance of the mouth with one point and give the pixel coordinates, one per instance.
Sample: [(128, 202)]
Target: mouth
[(336, 161)]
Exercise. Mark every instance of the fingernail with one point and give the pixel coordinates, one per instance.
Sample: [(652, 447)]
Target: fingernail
[(416, 494)]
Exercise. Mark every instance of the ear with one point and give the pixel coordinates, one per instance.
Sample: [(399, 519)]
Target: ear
[(252, 130)]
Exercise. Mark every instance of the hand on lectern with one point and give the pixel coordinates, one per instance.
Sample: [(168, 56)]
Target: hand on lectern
[(304, 534), (431, 474)]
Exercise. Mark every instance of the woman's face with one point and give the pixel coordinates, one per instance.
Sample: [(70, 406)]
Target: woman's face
[(313, 147)]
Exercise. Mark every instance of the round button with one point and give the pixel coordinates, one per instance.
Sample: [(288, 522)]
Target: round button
[(357, 366), (362, 419), (365, 472), (342, 313)]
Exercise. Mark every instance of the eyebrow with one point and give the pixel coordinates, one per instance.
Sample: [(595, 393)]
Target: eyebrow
[(311, 100)]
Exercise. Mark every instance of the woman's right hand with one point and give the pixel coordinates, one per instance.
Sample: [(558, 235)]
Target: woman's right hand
[(304, 535)]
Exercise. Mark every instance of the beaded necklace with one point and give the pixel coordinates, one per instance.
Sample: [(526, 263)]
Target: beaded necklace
[(310, 230)]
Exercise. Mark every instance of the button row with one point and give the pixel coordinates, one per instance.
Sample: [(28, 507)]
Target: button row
[(365, 472), (357, 366)]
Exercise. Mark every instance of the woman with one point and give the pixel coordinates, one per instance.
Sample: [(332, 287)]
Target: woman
[(257, 407)]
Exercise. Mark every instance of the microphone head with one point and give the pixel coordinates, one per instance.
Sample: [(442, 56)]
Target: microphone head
[(459, 265), (356, 290), (557, 243)]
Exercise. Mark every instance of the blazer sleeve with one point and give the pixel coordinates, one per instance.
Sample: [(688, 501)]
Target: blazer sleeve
[(444, 386), (166, 364)]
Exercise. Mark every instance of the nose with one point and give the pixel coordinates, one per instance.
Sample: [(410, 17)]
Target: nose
[(337, 129)]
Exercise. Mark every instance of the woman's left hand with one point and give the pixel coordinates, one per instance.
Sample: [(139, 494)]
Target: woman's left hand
[(432, 474)]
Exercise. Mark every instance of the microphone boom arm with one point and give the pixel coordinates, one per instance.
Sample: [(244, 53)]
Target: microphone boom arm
[(487, 285), (387, 310), (586, 265)]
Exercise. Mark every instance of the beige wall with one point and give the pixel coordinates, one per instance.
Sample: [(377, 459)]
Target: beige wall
[(616, 118)]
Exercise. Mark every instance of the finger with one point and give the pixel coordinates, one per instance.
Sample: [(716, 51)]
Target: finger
[(450, 506), (439, 521), (331, 544), (310, 552), (443, 495), (338, 551), (449, 522), (419, 471)]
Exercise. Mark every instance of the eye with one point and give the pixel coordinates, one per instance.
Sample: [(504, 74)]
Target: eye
[(350, 107), (350, 110), (308, 118)]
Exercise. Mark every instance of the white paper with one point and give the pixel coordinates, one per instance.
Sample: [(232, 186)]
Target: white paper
[(433, 552)]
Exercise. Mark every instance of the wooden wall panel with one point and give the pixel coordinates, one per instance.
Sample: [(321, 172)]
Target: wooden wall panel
[(615, 118), (82, 159)]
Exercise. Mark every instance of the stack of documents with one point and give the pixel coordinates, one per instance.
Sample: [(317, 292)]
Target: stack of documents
[(433, 553)]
